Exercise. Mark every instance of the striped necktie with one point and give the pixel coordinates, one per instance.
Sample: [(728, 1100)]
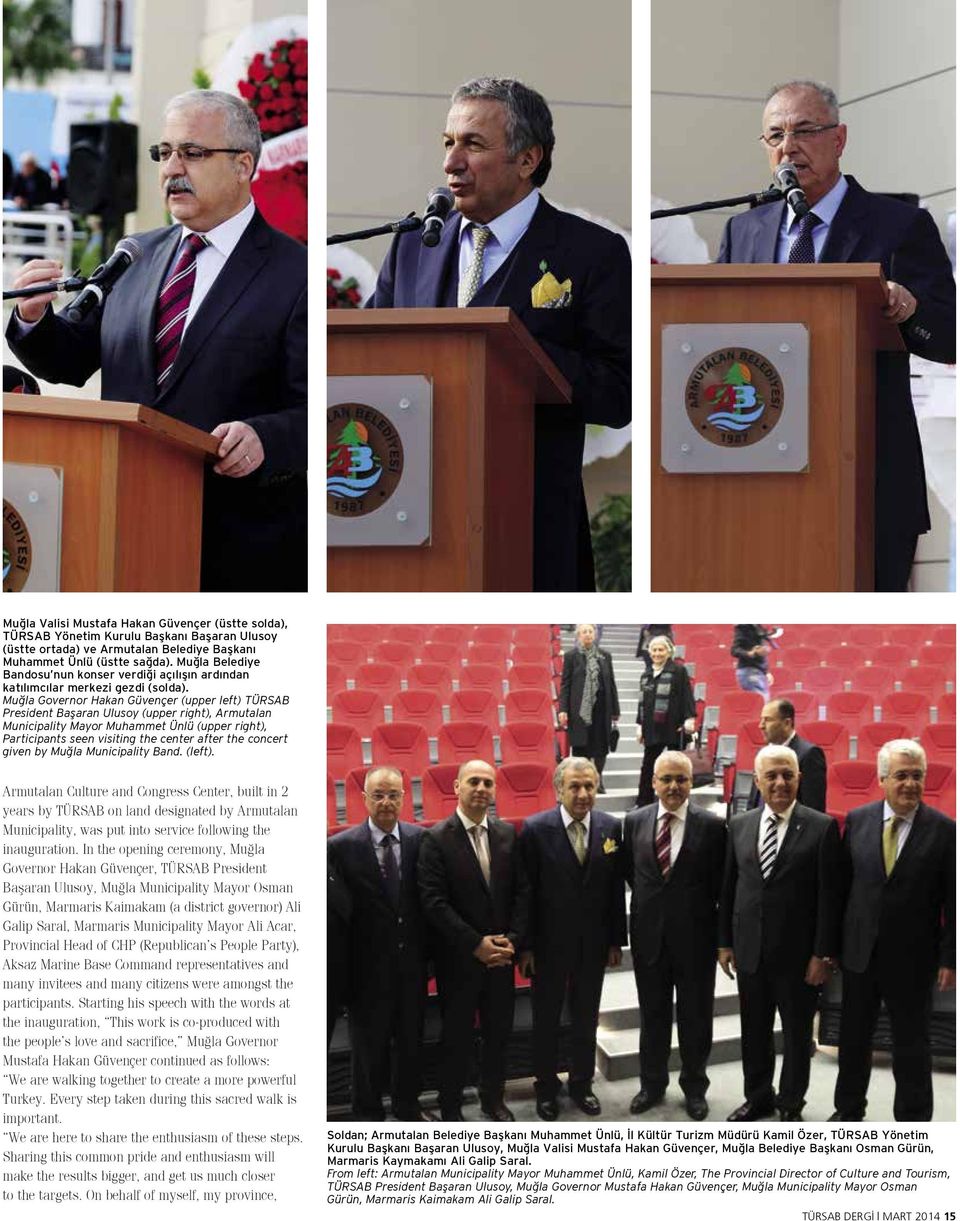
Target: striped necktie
[(174, 304), (662, 845), (768, 849), (472, 276)]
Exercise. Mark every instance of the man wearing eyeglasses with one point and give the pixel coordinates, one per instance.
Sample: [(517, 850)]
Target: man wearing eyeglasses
[(899, 933), (208, 326), (850, 225), (377, 861)]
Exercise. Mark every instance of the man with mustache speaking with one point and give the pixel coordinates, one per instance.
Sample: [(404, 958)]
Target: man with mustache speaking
[(209, 325)]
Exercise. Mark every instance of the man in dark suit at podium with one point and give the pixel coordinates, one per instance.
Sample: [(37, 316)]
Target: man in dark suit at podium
[(209, 325), (567, 279), (850, 225), (899, 933), (777, 726)]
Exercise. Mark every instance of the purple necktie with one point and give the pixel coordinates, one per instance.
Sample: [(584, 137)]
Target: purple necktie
[(174, 304), (802, 250), (662, 845)]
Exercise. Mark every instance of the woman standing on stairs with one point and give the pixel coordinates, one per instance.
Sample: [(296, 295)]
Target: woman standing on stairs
[(589, 704), (666, 711)]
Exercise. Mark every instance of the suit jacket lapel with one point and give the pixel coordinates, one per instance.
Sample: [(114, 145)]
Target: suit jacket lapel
[(916, 838), (536, 246), (791, 839), (248, 257), (692, 830), (765, 234), (470, 858), (564, 845), (433, 263), (847, 228)]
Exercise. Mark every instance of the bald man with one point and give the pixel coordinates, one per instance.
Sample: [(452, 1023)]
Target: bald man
[(376, 863), (475, 899)]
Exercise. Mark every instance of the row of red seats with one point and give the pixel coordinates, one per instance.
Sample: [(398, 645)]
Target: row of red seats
[(915, 709), (825, 635), (825, 680), (453, 633), (364, 708), (522, 789), (353, 653), (406, 745), (853, 782), (938, 740), (436, 676)]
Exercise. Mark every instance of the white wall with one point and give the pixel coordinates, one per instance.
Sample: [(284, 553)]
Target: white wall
[(391, 70)]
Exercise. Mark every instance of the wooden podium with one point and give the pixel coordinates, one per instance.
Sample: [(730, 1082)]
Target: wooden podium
[(132, 489), (809, 530), (487, 372)]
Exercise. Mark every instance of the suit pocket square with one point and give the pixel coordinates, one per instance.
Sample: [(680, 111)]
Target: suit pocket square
[(549, 293), (610, 845)]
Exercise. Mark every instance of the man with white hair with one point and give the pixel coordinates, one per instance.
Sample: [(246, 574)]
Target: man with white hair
[(899, 933), (780, 909), (209, 325)]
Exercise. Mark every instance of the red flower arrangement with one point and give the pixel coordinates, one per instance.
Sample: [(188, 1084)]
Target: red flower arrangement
[(276, 86), (341, 294), (281, 196)]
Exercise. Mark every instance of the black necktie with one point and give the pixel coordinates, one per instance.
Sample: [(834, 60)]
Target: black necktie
[(802, 249), (391, 874)]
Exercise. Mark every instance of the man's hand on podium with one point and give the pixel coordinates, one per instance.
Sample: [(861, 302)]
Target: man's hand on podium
[(240, 451), (901, 303), (37, 271)]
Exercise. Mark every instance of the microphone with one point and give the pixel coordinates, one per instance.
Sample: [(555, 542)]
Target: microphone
[(126, 253), (786, 179), (439, 203)]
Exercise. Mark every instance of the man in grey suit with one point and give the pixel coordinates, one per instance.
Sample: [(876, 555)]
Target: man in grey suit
[(899, 933), (673, 858), (780, 910)]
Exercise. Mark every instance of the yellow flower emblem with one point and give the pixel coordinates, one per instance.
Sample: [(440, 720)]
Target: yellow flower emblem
[(549, 293), (610, 845)]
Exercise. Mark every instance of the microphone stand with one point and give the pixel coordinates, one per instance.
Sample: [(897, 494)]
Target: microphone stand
[(770, 195), (55, 286), (407, 225)]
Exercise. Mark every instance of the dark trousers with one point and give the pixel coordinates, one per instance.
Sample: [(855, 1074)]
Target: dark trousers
[(582, 988), (908, 1003), (762, 994), (693, 981), (585, 750), (387, 1021), (651, 753), (483, 991), (892, 561)]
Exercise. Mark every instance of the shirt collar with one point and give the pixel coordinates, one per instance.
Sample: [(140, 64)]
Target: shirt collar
[(378, 834), (225, 236), (568, 819), (826, 208), (889, 812), (468, 822), (510, 226), (785, 816), (681, 813)]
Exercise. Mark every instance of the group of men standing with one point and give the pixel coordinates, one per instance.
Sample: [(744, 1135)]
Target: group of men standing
[(774, 895)]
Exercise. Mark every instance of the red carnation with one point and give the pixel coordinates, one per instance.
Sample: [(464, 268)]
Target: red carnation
[(299, 86), (258, 72), (246, 90), (266, 92), (286, 89)]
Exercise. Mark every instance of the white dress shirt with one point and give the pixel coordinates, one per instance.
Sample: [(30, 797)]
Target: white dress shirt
[(904, 825), (211, 259), (505, 231), (782, 823), (826, 210)]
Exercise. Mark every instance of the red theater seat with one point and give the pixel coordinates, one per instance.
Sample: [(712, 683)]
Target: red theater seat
[(487, 677), (399, 653), (461, 741), (529, 633), (895, 656), (851, 783), (439, 799), (850, 708), (910, 707), (420, 708), (347, 653), (532, 654), (947, 706), (528, 742), (913, 635), (378, 676), (940, 787), (336, 678), (526, 675), (872, 734), (832, 738), (524, 789), (527, 704), (823, 680), (928, 680), (476, 704), (493, 633), (402, 744), (737, 707), (488, 652), (408, 633), (846, 657), (940, 742), (441, 651), (876, 680), (451, 633), (430, 676), (870, 635), (343, 749), (360, 708)]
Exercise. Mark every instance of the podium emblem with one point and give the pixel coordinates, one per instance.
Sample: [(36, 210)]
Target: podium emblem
[(364, 459), (17, 550), (734, 397)]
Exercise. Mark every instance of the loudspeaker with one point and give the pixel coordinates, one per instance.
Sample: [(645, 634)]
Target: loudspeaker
[(102, 175)]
